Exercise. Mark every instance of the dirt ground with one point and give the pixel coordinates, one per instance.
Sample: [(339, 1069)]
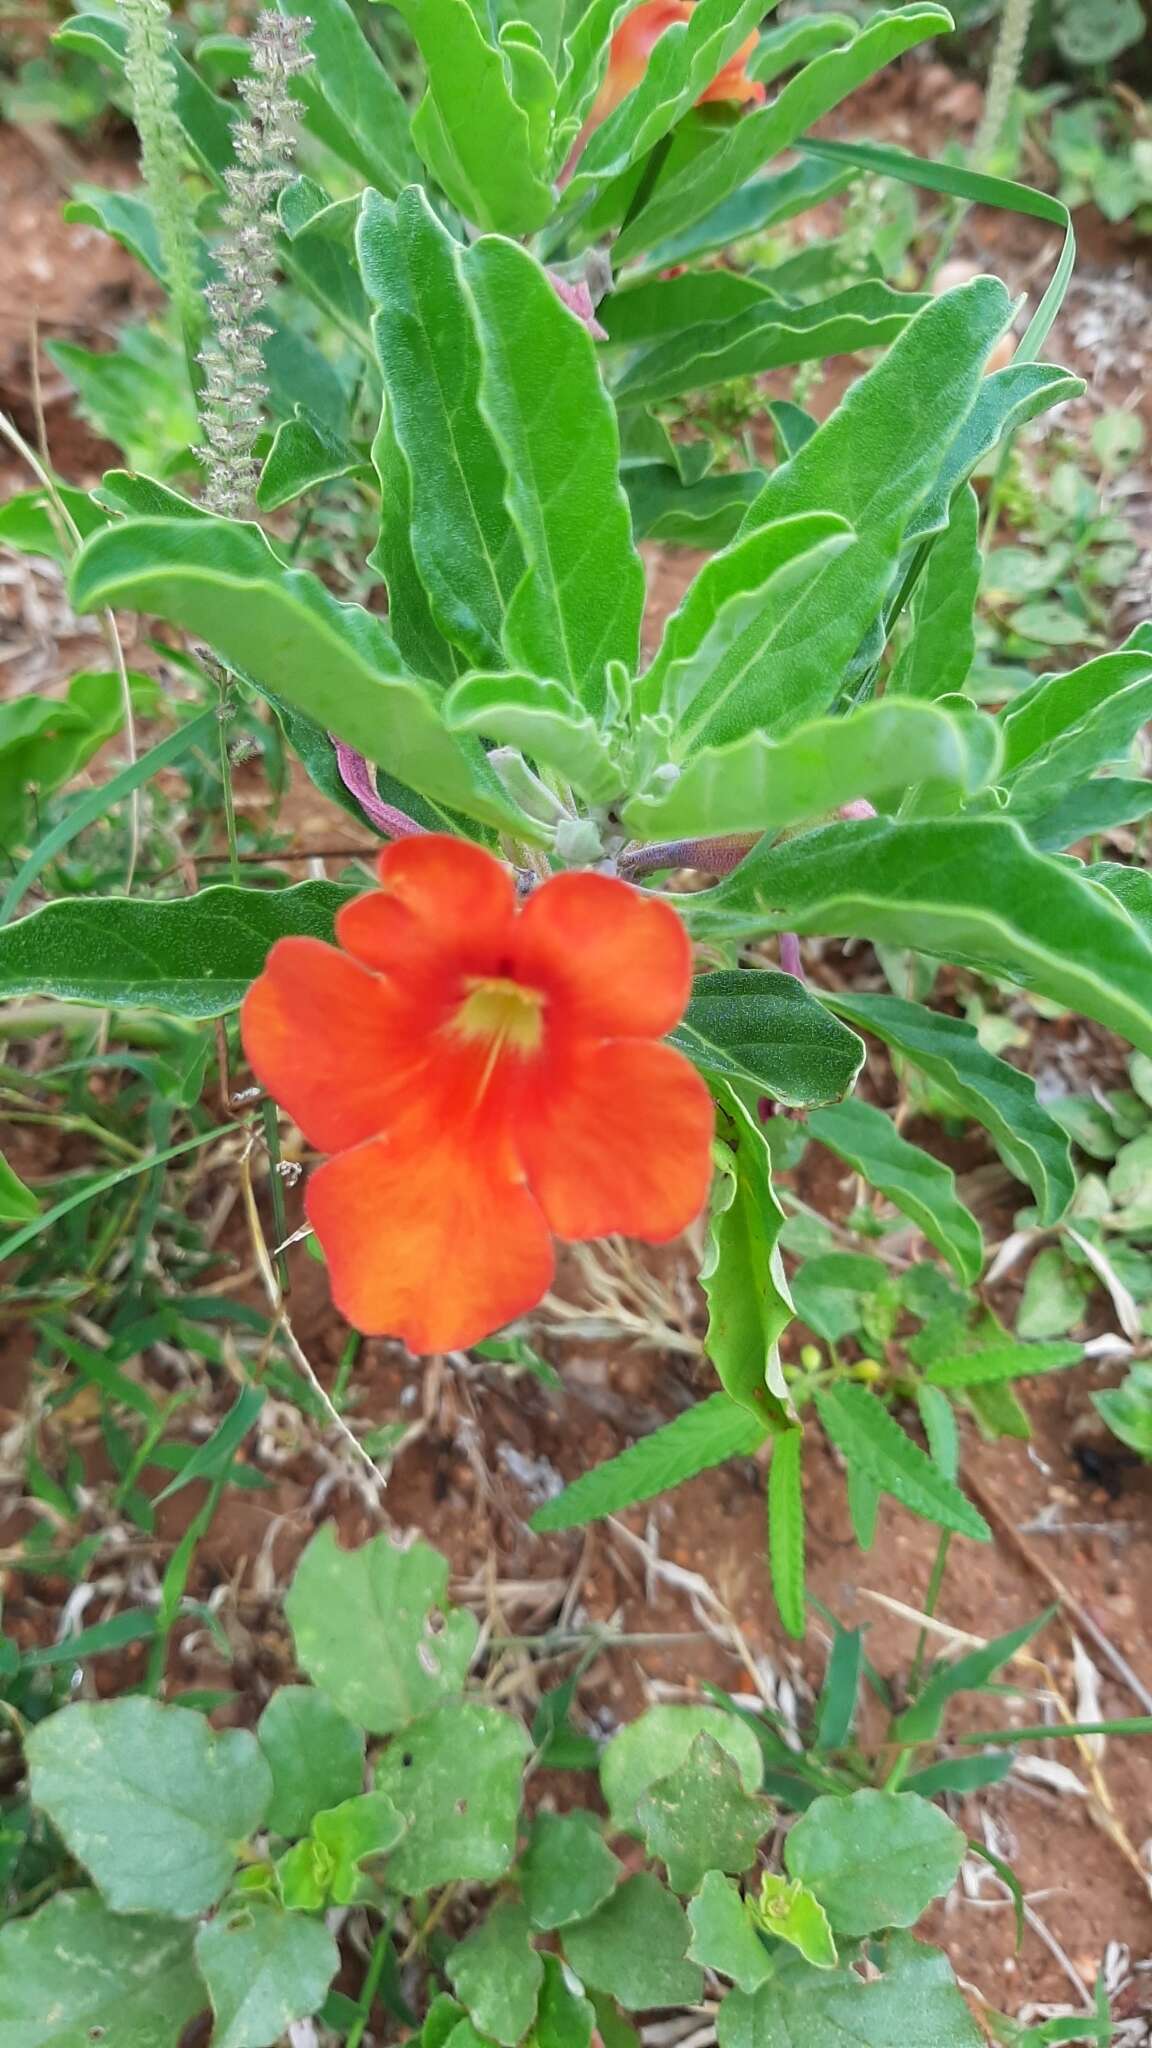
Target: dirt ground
[(485, 1446)]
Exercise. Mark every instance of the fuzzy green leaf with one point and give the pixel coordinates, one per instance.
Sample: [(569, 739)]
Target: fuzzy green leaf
[(876, 1446), (766, 1030), (922, 1187), (786, 1529), (703, 1436)]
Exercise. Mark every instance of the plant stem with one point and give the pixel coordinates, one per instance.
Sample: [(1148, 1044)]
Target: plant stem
[(271, 1123), (370, 1986), (223, 714)]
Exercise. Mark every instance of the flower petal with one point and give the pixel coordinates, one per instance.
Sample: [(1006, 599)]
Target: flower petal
[(324, 1038), (439, 898), (435, 1242), (621, 1140), (617, 962)]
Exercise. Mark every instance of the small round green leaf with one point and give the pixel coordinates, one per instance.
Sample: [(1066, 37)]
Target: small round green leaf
[(316, 1754), (635, 1947), (149, 1799), (724, 1936), (75, 1973), (874, 1859), (567, 1869), (264, 1969), (497, 1974), (700, 1818), (658, 1742), (455, 1776)]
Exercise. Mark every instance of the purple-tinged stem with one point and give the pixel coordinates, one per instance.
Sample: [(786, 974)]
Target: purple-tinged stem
[(788, 954), (356, 775), (712, 856)]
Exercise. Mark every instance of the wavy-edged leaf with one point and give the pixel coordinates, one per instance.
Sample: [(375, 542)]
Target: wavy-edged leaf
[(737, 612), (863, 1430), (1131, 888), (999, 1096), (681, 66), (349, 99), (968, 889), (541, 718), (872, 462), (655, 307), (796, 42), (941, 641), (761, 203), (879, 752), (1067, 726), (462, 540), (786, 1529), (471, 132), (766, 337), (1089, 808), (742, 1273), (195, 956), (706, 514), (922, 1188), (714, 1430), (333, 661), (815, 90), (766, 1030), (580, 600), (303, 455)]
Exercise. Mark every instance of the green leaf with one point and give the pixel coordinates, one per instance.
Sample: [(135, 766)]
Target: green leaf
[(836, 1706), (827, 1291), (658, 306), (463, 542), (786, 1530), (497, 1974), (413, 627), (707, 514), (1002, 1362), (767, 336), (942, 640), (28, 525), (360, 1829), (195, 956), (349, 99), (304, 454), (920, 1186), (334, 661), (73, 1973), (541, 718), (741, 149), (742, 1273), (700, 1818), (205, 120), (734, 612), (706, 1435), (970, 890), (766, 1030), (264, 1969), (635, 1947), (794, 1914), (1092, 807), (17, 1202), (149, 1799), (879, 752), (1067, 726), (863, 1504), (921, 1722), (1127, 1409), (999, 1096), (939, 1419), (724, 1936), (791, 43), (861, 1427), (468, 128), (873, 463), (567, 1869), (684, 61), (455, 1776), (874, 1859), (564, 2017), (761, 203), (556, 431), (316, 1755), (915, 2000), (373, 1628), (659, 1741)]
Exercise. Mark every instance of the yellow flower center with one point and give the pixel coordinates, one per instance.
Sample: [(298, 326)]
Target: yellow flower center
[(504, 1013)]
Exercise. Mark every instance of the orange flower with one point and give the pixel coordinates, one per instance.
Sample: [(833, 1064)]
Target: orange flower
[(633, 43), (486, 1076)]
